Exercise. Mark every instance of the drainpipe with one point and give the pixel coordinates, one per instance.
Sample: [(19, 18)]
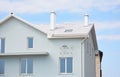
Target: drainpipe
[(83, 57)]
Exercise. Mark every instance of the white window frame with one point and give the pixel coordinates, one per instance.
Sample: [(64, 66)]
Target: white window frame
[(65, 66), (26, 71)]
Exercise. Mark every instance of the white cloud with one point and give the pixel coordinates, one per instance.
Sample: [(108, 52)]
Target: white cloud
[(107, 25), (106, 5), (37, 6), (109, 37), (107, 30)]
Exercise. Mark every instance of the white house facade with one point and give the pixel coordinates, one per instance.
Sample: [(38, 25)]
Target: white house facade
[(28, 50)]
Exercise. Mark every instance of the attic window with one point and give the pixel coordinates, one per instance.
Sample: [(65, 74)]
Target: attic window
[(68, 30)]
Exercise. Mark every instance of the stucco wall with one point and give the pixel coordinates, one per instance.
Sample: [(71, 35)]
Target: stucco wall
[(16, 33)]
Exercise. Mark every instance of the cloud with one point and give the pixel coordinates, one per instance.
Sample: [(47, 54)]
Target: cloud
[(106, 5), (109, 37), (108, 30), (107, 25), (37, 6)]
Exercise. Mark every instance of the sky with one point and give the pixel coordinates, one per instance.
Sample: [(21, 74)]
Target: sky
[(105, 14)]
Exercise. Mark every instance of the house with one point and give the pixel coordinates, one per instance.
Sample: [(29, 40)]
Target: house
[(99, 56), (28, 50)]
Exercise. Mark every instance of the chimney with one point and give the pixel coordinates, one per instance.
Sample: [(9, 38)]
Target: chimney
[(52, 20), (86, 19)]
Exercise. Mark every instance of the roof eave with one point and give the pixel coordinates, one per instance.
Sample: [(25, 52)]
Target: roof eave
[(50, 36)]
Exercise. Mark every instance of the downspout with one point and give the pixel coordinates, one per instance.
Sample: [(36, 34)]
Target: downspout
[(83, 57)]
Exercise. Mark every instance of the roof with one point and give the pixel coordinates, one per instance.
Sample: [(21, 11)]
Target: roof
[(61, 30), (65, 31)]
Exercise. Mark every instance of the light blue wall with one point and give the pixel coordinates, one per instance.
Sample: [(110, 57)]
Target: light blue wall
[(16, 33)]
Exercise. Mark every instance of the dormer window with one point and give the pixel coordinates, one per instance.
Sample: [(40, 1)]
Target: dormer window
[(30, 42), (68, 30)]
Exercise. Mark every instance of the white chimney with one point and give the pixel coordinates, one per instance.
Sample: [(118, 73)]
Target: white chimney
[(52, 20), (86, 19)]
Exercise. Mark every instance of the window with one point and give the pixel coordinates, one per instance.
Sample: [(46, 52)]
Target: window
[(68, 30), (30, 42), (2, 47), (2, 66), (26, 66), (66, 65)]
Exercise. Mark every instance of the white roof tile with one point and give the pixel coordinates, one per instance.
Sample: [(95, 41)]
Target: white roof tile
[(61, 30)]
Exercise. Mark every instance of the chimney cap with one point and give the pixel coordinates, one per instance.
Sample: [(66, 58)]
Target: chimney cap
[(53, 12), (86, 14), (86, 19)]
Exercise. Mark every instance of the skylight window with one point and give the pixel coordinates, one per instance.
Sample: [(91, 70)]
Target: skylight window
[(68, 30)]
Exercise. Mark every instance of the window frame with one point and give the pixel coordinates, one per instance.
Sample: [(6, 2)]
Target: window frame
[(66, 72), (26, 68)]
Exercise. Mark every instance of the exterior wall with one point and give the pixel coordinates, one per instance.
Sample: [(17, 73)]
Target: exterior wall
[(16, 33), (99, 56), (89, 54), (98, 65)]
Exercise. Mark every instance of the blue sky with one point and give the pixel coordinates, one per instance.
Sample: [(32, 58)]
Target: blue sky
[(105, 14)]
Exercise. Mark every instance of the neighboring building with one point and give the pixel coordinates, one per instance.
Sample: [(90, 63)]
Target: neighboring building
[(28, 50), (99, 56)]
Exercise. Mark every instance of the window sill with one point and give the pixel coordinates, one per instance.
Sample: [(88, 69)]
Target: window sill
[(66, 74), (26, 74), (2, 75)]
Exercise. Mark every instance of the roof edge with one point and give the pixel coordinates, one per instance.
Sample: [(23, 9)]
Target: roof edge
[(20, 19), (67, 36), (94, 37)]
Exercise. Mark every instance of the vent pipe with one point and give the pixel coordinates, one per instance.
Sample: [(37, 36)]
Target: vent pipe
[(52, 20), (86, 19)]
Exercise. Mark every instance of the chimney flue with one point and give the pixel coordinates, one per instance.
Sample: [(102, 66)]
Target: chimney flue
[(86, 19), (52, 20)]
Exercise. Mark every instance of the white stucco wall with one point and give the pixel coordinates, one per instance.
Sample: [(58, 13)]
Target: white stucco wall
[(16, 33)]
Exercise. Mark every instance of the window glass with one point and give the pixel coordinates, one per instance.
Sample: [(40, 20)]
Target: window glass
[(66, 64), (30, 42), (23, 66), (29, 66), (62, 65), (26, 66), (69, 65), (2, 66), (2, 45)]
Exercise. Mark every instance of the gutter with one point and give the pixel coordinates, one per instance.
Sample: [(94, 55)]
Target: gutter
[(67, 36), (83, 58)]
